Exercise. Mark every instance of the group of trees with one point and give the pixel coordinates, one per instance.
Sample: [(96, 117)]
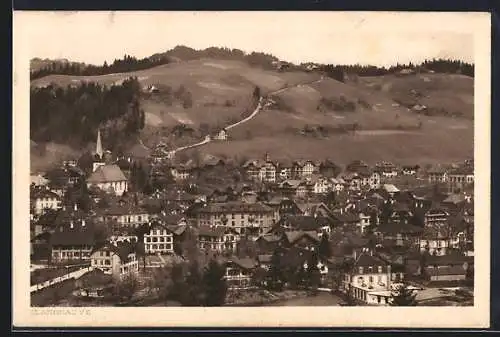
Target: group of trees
[(191, 284), (127, 64), (72, 115), (338, 72)]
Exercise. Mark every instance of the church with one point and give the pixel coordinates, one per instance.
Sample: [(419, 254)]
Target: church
[(106, 175)]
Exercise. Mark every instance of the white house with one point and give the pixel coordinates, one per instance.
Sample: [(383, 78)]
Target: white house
[(369, 280), (221, 135), (160, 239), (116, 259), (43, 199)]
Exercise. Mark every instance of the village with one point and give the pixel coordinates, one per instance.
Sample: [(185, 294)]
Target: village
[(111, 232)]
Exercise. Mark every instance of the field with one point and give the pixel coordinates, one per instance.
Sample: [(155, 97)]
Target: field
[(378, 107)]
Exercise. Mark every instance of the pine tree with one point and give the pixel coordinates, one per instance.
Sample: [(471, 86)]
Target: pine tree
[(214, 284), (402, 296)]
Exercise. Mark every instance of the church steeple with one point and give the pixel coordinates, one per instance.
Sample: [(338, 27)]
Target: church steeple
[(98, 149)]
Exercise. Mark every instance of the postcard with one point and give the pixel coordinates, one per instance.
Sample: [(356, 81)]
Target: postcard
[(251, 169)]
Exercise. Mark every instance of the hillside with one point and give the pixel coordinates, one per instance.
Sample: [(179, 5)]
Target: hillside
[(442, 94), (313, 118)]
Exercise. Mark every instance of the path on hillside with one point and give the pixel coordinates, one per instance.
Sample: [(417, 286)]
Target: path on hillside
[(75, 274), (259, 107)]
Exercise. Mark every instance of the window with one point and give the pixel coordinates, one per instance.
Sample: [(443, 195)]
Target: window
[(361, 270), (370, 279), (380, 269), (162, 239), (169, 247), (139, 218), (107, 262), (108, 253), (161, 246)]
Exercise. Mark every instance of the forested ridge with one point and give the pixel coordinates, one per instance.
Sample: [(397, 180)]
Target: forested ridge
[(257, 59), (72, 115)]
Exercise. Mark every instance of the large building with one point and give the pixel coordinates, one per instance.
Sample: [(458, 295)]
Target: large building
[(244, 218)]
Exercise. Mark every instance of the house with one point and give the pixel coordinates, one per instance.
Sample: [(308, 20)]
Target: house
[(284, 170), (399, 234), (319, 184), (302, 169), (338, 184), (410, 170), (261, 170), (126, 215), (461, 177), (43, 199), (244, 218), (118, 259), (329, 169), (436, 215), (72, 242), (268, 242), (38, 180), (181, 172), (369, 280), (238, 273), (219, 239), (390, 189), (292, 188), (159, 239), (306, 223), (450, 267), (435, 240), (306, 240), (386, 169), (109, 177), (314, 209), (221, 135), (349, 221), (437, 175)]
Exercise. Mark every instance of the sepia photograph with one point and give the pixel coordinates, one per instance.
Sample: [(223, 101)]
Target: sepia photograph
[(253, 168)]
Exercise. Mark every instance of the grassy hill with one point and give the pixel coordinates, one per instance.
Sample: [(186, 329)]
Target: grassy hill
[(312, 117), (442, 94)]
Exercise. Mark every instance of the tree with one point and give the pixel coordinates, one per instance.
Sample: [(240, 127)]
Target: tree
[(126, 286), (313, 274), (141, 249), (275, 277), (256, 93), (214, 284), (193, 294), (324, 247), (402, 296)]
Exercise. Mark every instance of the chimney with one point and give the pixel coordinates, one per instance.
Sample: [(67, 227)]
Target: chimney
[(76, 207), (83, 222), (71, 224)]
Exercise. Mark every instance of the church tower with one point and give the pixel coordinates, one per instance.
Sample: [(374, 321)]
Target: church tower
[(98, 148), (99, 153)]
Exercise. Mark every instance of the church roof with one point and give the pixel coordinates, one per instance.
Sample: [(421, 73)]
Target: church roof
[(107, 173)]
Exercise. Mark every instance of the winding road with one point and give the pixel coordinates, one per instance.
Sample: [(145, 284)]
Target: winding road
[(259, 107)]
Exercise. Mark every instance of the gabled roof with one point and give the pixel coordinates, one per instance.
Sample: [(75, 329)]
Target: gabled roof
[(399, 228), (122, 249), (306, 222), (43, 193), (294, 236), (367, 260), (244, 263), (107, 173), (77, 236)]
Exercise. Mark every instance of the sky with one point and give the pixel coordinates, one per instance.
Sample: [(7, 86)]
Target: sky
[(383, 38)]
